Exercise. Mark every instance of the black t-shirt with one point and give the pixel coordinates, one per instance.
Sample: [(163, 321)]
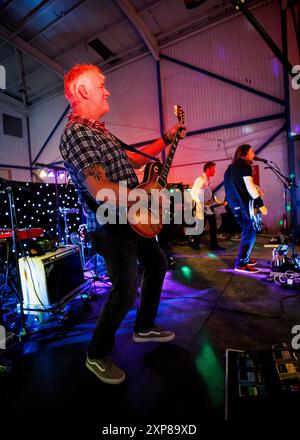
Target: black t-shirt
[(235, 188)]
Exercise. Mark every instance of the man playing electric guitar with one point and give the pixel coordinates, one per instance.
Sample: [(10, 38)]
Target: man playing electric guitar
[(96, 160), (203, 183), (240, 192)]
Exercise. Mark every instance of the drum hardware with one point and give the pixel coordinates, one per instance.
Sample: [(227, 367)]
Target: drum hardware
[(9, 190), (64, 212)]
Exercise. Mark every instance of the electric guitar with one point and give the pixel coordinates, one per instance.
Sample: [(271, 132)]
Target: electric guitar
[(255, 216), (149, 222), (212, 204)]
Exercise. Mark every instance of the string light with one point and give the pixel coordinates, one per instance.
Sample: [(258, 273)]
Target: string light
[(33, 212), (43, 174)]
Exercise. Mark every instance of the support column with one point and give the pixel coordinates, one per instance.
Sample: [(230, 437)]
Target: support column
[(290, 141)]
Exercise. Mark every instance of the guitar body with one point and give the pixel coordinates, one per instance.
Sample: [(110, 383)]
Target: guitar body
[(149, 223), (149, 220)]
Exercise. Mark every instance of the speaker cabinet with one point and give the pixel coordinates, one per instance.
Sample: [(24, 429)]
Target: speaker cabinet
[(50, 280)]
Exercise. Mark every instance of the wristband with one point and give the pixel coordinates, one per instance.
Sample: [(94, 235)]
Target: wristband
[(258, 202), (166, 140)]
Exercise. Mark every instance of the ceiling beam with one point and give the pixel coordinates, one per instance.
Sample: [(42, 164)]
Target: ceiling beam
[(25, 20), (50, 25), (140, 26), (5, 6), (15, 103), (107, 29), (27, 48), (21, 75)]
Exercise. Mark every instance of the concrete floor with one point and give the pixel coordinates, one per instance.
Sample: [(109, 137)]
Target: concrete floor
[(208, 305)]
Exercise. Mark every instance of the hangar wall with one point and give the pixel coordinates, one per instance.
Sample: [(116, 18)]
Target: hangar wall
[(232, 49)]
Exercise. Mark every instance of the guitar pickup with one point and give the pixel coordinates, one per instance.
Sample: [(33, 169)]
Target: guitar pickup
[(161, 182)]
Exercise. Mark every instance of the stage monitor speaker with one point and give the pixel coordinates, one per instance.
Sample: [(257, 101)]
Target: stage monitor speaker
[(51, 279)]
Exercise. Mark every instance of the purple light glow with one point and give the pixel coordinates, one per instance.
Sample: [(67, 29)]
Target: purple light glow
[(275, 67), (221, 53), (296, 128)]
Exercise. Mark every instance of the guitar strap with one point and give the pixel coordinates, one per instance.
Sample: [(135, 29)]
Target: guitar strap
[(135, 150), (88, 199), (242, 203)]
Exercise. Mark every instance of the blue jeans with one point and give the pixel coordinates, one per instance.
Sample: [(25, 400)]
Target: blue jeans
[(121, 247), (248, 237)]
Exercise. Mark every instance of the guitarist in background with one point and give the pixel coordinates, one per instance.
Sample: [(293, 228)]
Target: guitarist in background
[(240, 189), (95, 160), (203, 183)]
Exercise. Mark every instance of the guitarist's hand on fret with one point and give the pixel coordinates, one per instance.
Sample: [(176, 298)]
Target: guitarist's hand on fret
[(172, 131), (263, 210)]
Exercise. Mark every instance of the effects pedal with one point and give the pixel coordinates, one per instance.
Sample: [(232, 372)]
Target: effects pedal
[(287, 363), (250, 376)]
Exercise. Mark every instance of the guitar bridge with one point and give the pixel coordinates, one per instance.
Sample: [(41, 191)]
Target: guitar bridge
[(161, 182)]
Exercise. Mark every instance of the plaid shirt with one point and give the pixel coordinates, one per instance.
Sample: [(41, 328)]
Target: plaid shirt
[(84, 143)]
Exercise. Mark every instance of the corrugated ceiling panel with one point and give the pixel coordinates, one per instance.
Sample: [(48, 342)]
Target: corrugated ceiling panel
[(126, 37), (14, 14), (169, 15), (45, 79)]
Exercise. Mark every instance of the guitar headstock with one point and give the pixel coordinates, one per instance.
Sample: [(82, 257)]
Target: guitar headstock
[(179, 113)]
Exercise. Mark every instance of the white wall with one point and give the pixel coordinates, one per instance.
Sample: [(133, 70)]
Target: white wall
[(43, 119), (232, 49), (14, 150), (294, 58)]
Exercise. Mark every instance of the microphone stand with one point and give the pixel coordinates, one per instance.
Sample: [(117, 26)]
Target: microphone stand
[(288, 185), (56, 169)]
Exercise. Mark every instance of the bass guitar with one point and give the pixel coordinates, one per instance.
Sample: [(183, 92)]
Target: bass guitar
[(149, 222)]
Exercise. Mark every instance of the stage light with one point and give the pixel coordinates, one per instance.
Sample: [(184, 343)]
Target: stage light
[(43, 174), (247, 129), (186, 271), (50, 173), (211, 255)]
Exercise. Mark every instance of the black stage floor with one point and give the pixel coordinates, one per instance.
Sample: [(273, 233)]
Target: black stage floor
[(210, 307)]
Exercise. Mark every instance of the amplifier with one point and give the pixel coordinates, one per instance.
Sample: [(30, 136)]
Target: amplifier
[(51, 279)]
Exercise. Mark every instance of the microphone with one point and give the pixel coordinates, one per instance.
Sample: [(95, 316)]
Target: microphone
[(260, 159)]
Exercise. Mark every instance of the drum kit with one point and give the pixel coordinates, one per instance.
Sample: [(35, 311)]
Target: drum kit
[(75, 238), (64, 212), (81, 240)]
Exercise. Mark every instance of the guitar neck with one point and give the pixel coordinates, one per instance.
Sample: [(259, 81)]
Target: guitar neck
[(169, 160)]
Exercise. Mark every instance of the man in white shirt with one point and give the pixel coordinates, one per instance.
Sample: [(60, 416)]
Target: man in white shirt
[(203, 183)]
